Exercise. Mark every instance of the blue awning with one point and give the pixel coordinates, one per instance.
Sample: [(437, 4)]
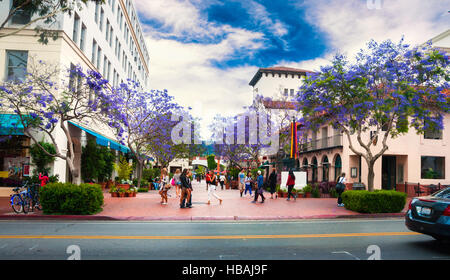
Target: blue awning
[(10, 124), (103, 141)]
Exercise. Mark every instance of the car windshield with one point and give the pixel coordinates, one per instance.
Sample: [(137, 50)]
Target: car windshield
[(443, 194)]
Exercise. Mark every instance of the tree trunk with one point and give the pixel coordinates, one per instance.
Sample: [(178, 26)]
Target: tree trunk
[(139, 167), (370, 177)]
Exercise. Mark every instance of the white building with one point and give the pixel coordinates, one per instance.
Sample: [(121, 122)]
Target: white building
[(281, 85), (106, 38)]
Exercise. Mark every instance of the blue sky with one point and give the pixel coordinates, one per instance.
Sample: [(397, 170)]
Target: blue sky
[(205, 52)]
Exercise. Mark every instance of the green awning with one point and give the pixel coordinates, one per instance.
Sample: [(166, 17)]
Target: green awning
[(104, 141)]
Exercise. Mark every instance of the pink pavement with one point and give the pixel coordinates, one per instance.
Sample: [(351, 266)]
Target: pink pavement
[(147, 206)]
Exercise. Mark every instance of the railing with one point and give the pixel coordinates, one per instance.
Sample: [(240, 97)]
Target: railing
[(323, 143)]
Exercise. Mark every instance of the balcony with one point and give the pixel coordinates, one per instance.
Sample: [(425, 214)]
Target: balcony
[(321, 144)]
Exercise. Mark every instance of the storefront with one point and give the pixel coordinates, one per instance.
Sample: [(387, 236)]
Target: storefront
[(14, 151)]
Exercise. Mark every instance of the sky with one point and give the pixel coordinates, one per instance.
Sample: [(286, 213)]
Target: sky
[(205, 52)]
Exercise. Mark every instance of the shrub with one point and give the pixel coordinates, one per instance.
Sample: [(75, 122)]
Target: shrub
[(71, 199), (378, 201), (307, 189), (315, 193), (142, 190), (333, 193)]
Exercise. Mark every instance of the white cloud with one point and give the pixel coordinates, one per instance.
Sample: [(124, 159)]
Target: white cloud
[(349, 25)]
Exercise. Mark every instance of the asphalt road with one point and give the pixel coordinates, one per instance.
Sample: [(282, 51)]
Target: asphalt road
[(262, 240)]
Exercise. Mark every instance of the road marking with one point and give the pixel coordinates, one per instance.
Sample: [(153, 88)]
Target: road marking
[(347, 253), (335, 235)]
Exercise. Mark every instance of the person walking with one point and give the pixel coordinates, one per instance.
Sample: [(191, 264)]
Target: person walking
[(212, 189), (177, 181), (164, 185), (248, 183), (208, 179), (260, 190), (241, 178), (340, 188), (290, 184), (222, 180), (273, 183), (186, 190)]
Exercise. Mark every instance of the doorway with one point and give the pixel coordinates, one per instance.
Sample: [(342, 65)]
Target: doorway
[(389, 172)]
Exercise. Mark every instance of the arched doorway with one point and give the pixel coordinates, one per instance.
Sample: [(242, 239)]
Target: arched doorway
[(314, 169), (325, 169), (337, 167)]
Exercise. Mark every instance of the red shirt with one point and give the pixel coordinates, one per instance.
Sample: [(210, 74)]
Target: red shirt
[(44, 180), (290, 181)]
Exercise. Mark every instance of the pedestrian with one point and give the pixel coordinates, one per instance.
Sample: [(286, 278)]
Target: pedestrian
[(208, 179), (43, 178), (260, 190), (164, 185), (241, 178), (177, 181), (273, 183), (248, 183), (290, 184), (186, 190), (340, 188), (212, 189), (222, 180)]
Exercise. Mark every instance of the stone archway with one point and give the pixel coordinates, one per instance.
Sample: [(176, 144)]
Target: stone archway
[(325, 169), (337, 166)]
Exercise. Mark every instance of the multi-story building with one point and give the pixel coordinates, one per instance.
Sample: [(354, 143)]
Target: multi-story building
[(276, 89), (105, 37), (411, 159)]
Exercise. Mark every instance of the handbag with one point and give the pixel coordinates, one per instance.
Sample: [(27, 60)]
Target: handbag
[(173, 182)]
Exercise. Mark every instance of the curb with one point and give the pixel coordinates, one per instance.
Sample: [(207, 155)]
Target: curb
[(194, 218)]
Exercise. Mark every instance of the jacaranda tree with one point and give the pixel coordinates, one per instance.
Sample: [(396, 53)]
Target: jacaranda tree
[(44, 105), (139, 117), (389, 89)]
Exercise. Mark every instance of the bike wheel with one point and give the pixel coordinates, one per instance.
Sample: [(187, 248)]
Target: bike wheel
[(26, 204), (16, 204)]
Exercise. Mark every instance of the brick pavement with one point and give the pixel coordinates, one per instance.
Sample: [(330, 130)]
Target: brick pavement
[(147, 206)]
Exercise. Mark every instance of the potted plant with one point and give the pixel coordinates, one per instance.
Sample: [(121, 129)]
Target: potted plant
[(315, 193), (307, 191), (122, 192), (114, 192)]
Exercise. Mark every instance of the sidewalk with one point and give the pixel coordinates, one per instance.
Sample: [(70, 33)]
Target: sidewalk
[(146, 206)]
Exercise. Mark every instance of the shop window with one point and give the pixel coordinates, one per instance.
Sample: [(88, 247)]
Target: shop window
[(21, 16), (432, 167)]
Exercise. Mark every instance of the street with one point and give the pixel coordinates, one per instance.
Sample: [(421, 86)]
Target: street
[(342, 239)]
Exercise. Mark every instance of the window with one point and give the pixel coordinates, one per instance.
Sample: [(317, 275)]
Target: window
[(82, 36), (107, 30), (292, 92), (435, 134), (109, 71), (286, 92), (432, 167), (102, 16), (94, 51), (16, 64), (76, 28), (97, 10), (20, 16), (99, 57), (111, 36), (105, 65)]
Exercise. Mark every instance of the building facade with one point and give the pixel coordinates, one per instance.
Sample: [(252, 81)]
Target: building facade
[(105, 37)]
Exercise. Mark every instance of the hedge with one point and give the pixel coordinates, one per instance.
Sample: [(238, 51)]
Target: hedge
[(378, 201), (71, 199)]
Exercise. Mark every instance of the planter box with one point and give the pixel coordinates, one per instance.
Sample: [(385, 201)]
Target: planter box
[(121, 194), (114, 194), (125, 186), (308, 195)]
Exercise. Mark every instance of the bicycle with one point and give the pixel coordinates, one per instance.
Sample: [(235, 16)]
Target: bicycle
[(23, 200), (20, 201)]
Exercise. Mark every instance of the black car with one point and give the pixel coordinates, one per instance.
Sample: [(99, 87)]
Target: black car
[(430, 215)]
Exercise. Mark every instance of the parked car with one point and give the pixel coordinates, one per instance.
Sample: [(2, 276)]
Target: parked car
[(430, 215)]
